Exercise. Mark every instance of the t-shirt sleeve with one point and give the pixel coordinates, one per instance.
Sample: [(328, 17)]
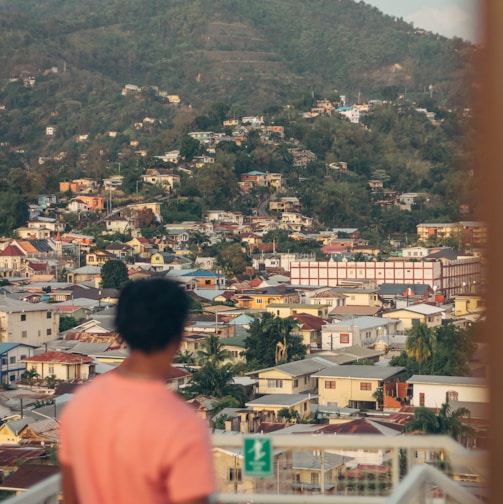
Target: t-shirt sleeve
[(192, 474)]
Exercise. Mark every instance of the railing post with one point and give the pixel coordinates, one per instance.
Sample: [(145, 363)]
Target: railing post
[(395, 468)]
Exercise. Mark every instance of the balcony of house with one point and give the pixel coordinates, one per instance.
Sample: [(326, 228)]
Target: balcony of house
[(400, 469)]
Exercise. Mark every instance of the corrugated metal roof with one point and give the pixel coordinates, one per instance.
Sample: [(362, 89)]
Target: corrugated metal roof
[(355, 371)]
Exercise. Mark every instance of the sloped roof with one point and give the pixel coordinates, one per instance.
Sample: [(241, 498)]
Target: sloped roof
[(12, 251), (448, 380), (59, 358), (295, 368), (286, 400), (28, 475), (356, 371)]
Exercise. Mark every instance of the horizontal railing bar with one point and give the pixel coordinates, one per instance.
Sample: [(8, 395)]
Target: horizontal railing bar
[(231, 498)]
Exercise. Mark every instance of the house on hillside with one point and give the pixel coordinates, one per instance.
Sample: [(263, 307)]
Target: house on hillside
[(408, 316), (27, 323), (355, 386), (433, 391), (65, 366), (363, 331), (290, 378), (11, 354)]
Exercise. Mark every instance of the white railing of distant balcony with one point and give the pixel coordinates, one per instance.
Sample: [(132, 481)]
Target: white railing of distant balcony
[(423, 482)]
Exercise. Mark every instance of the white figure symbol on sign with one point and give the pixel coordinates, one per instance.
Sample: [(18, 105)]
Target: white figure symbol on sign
[(257, 450)]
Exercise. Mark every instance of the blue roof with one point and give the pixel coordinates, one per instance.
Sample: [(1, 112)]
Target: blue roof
[(255, 172), (199, 273), (7, 347)]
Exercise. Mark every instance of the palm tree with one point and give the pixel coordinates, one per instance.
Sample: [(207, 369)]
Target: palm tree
[(30, 375), (215, 381), (420, 343), (446, 421), (185, 357), (213, 351)]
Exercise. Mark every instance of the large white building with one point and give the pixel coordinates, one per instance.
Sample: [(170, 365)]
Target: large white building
[(449, 278), (28, 323)]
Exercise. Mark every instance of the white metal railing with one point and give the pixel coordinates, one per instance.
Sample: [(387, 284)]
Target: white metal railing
[(421, 483)]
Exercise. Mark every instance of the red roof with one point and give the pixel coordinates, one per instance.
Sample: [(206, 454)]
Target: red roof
[(60, 358), (11, 250), (309, 322)]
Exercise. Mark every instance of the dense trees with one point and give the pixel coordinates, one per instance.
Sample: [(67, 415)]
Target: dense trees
[(444, 351), (114, 274), (446, 421), (267, 335)]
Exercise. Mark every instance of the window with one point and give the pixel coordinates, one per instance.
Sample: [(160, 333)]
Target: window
[(235, 474), (365, 386), (295, 383), (330, 384), (51, 369), (23, 357), (207, 282), (49, 314), (12, 360), (23, 317), (275, 383), (451, 395), (258, 300), (344, 338), (4, 361), (315, 478), (49, 332), (24, 334), (12, 377)]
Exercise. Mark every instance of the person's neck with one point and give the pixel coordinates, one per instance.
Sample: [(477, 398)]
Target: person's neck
[(142, 366)]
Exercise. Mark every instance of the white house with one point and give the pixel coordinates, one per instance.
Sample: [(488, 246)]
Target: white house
[(28, 323), (359, 331), (11, 354), (433, 391)]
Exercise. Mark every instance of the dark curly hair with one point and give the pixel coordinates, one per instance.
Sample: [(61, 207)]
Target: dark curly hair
[(151, 314)]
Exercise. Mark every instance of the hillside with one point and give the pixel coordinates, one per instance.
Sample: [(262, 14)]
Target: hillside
[(250, 54)]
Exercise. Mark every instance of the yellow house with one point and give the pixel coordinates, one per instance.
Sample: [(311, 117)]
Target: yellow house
[(230, 478), (64, 366), (310, 470), (9, 431), (466, 304), (427, 314), (284, 310), (354, 386), (290, 378), (261, 298), (192, 343), (274, 403)]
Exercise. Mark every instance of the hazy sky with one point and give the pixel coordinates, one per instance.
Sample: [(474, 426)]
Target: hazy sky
[(451, 18)]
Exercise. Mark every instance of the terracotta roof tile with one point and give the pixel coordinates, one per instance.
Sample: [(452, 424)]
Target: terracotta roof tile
[(59, 357)]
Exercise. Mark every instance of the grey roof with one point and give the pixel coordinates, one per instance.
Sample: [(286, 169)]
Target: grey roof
[(296, 368), (85, 348), (286, 400), (309, 461), (13, 305), (448, 380), (362, 323), (355, 371), (87, 270), (425, 309), (397, 289)]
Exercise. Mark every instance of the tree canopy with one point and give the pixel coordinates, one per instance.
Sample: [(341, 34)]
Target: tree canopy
[(114, 274), (268, 333)]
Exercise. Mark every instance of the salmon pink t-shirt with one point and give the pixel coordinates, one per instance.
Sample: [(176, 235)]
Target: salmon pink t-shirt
[(131, 440)]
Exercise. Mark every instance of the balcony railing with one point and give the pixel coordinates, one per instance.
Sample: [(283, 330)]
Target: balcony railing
[(365, 469)]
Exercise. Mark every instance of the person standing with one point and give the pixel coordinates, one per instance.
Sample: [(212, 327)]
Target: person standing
[(125, 437)]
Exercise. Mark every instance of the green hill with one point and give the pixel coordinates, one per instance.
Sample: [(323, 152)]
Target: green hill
[(250, 54)]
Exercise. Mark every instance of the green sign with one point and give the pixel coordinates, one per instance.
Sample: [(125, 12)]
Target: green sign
[(257, 452)]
